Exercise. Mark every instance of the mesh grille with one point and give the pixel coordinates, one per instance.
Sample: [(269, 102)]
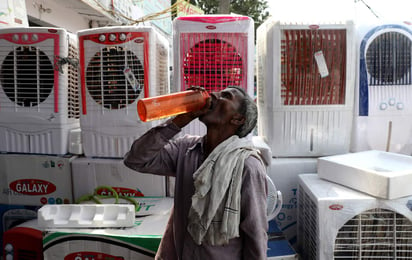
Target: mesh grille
[(213, 61), (115, 77), (162, 70), (302, 82), (375, 234), (388, 60), (27, 76), (307, 225), (73, 85)]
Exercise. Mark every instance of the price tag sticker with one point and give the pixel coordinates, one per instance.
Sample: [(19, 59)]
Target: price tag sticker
[(131, 79), (321, 62)]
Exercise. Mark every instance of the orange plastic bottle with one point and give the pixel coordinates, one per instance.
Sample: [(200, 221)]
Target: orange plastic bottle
[(158, 107)]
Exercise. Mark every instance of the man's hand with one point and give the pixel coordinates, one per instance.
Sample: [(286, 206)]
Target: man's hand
[(184, 119)]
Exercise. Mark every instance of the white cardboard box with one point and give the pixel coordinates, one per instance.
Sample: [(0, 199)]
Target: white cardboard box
[(90, 173), (381, 174), (28, 179), (284, 174)]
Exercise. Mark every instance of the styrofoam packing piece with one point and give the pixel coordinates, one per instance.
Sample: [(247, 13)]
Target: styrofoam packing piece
[(86, 215), (377, 173)]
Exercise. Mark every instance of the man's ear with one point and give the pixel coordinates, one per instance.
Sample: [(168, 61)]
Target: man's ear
[(238, 119)]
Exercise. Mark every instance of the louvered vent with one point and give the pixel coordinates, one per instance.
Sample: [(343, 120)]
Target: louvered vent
[(27, 254), (27, 75), (375, 234), (307, 225), (162, 70), (313, 66), (388, 60), (73, 84), (115, 77), (212, 61)]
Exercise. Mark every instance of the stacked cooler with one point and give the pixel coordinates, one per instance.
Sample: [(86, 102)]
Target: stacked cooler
[(38, 91), (48, 112), (39, 127), (118, 66), (336, 221), (358, 205), (305, 89)]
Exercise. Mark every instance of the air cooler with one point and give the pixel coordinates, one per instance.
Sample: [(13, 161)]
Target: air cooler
[(118, 66), (336, 222), (305, 82), (39, 104), (384, 89), (213, 52), (24, 241)]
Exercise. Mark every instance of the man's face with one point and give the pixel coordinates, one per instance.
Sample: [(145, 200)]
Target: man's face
[(224, 107)]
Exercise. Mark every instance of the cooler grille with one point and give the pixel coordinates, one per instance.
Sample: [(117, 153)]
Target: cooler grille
[(27, 76), (388, 60), (162, 70), (213, 61), (307, 225), (375, 234), (304, 55), (73, 84), (115, 77)]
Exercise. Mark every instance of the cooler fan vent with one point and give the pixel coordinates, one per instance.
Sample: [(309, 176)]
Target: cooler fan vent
[(27, 76), (114, 77), (307, 224), (375, 234), (212, 63), (388, 60), (302, 82)]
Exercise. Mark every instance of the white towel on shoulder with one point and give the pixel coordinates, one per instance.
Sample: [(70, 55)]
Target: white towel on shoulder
[(214, 216)]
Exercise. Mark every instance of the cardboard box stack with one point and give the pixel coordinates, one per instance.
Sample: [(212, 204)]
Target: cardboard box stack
[(30, 181)]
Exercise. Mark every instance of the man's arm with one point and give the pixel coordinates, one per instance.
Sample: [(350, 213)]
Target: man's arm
[(254, 225), (152, 152)]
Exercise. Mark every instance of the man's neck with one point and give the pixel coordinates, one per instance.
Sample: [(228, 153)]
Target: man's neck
[(213, 139)]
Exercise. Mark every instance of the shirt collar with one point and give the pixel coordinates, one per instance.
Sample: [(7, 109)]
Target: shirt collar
[(198, 145)]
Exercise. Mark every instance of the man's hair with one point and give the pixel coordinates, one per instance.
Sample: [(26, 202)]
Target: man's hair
[(249, 110)]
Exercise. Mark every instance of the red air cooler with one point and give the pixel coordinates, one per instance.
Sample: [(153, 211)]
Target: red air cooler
[(23, 242), (213, 52)]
